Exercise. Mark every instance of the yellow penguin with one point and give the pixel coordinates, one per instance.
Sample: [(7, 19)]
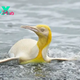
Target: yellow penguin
[(32, 51)]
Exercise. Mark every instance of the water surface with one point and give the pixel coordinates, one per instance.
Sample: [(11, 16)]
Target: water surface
[(63, 17)]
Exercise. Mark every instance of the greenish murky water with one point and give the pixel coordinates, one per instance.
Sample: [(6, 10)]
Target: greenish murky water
[(63, 17)]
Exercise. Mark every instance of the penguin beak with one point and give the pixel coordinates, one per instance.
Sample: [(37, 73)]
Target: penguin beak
[(31, 28)]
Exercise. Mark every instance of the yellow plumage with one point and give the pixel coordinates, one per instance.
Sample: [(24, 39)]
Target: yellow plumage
[(29, 50)]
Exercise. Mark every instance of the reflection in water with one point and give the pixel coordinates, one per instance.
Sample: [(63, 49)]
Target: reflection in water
[(39, 71)]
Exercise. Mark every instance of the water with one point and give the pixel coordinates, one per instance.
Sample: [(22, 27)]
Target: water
[(63, 17)]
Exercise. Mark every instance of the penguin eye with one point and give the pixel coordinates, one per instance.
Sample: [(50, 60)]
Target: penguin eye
[(42, 29)]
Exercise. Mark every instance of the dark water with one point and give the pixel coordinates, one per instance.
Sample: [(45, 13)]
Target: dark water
[(63, 17)]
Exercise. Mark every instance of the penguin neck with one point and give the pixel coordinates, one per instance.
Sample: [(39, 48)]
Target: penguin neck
[(42, 42)]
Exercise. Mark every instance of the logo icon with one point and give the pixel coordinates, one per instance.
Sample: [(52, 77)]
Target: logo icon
[(4, 11)]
